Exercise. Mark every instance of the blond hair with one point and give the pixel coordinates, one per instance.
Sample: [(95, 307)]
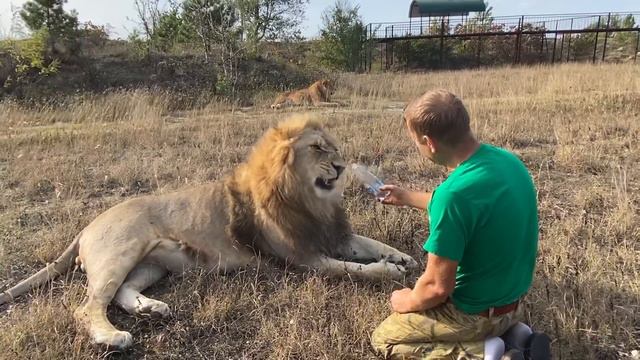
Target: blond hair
[(440, 115)]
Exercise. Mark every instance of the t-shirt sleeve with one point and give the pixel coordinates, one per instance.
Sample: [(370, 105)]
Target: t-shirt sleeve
[(449, 220)]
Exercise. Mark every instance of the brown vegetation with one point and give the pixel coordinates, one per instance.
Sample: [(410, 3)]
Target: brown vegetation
[(576, 127)]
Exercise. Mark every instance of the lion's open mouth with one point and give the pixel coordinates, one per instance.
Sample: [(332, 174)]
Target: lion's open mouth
[(326, 184)]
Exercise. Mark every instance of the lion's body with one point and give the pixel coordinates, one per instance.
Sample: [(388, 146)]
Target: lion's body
[(317, 94), (269, 205)]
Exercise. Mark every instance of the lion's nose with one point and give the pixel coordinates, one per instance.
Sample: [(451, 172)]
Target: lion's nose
[(339, 168)]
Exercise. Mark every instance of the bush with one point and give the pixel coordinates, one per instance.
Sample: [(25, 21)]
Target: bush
[(28, 56), (340, 45)]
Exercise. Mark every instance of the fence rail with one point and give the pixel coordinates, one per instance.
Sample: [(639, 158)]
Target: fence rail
[(549, 31), (465, 26)]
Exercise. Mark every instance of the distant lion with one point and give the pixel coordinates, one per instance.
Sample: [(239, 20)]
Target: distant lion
[(319, 94), (284, 201)]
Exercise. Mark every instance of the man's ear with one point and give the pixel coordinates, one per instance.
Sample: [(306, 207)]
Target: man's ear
[(429, 141)]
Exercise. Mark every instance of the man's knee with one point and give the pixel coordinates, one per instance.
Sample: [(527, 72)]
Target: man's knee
[(395, 338), (379, 341)]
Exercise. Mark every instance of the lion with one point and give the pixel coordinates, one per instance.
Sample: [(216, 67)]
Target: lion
[(317, 94), (282, 202)]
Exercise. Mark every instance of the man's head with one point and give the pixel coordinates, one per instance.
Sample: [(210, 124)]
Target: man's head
[(438, 123)]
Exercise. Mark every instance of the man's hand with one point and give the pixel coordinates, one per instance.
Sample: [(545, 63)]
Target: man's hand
[(402, 301), (398, 196), (394, 195), (433, 287)]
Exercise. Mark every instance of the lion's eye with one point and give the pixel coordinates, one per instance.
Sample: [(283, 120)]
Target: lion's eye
[(317, 147)]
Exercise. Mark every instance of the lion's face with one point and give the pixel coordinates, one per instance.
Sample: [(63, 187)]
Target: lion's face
[(328, 85), (319, 163)]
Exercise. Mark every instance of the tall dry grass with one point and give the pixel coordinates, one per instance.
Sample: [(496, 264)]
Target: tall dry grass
[(575, 126)]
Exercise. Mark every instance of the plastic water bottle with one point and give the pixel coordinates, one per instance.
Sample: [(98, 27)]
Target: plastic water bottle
[(370, 181)]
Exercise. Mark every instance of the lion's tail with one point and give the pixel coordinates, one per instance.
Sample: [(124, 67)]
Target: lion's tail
[(58, 267)]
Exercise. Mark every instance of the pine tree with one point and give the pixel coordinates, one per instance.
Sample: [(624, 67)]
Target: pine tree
[(49, 15)]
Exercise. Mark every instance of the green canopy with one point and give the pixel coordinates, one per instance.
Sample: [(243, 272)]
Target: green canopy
[(425, 8)]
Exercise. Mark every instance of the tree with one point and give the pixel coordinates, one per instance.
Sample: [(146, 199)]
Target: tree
[(162, 26), (50, 15), (60, 27), (149, 14), (269, 19), (216, 23), (172, 29), (340, 44), (17, 29)]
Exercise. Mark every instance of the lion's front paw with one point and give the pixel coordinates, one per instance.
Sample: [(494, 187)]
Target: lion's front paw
[(152, 307), (112, 339), (384, 268), (401, 259)]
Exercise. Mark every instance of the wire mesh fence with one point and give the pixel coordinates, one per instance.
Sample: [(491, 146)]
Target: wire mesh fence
[(482, 40)]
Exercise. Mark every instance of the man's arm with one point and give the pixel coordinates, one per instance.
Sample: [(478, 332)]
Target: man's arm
[(402, 197), (432, 288)]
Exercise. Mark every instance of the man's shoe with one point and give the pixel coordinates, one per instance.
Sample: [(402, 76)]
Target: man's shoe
[(538, 347), (513, 354)]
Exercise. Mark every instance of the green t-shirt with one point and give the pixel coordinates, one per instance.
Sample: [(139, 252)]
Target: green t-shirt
[(485, 216)]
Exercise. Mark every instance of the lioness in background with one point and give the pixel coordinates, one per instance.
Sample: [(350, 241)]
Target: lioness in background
[(319, 94), (283, 202)]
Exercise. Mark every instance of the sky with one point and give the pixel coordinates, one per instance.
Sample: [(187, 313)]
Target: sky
[(120, 14)]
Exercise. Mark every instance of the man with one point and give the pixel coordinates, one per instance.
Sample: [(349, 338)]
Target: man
[(481, 248)]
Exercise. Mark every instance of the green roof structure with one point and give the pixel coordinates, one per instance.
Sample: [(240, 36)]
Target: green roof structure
[(426, 8)]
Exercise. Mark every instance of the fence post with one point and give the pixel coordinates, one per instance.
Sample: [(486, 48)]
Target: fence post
[(441, 41), (555, 40), (391, 30), (543, 37), (370, 46), (595, 43), (361, 52), (519, 39), (480, 40), (569, 44), (635, 55), (606, 36)]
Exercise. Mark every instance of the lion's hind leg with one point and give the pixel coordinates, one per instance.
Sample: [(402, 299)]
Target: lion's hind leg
[(166, 256), (327, 104), (105, 275), (130, 298), (106, 268)]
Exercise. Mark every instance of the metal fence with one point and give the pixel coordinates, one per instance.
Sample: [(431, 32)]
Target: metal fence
[(515, 33)]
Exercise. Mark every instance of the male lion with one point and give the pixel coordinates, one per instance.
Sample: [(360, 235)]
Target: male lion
[(317, 94), (283, 202)]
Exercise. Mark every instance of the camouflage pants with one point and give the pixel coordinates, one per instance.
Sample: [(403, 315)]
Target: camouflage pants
[(443, 332)]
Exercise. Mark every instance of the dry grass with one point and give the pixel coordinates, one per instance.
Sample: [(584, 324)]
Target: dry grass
[(576, 127)]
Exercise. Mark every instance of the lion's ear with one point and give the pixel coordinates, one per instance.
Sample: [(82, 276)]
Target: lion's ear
[(291, 157), (291, 153), (284, 153)]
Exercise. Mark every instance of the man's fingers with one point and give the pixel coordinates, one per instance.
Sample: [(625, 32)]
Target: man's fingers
[(387, 201)]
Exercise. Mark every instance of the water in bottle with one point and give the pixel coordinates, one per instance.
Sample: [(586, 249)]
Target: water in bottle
[(370, 181)]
